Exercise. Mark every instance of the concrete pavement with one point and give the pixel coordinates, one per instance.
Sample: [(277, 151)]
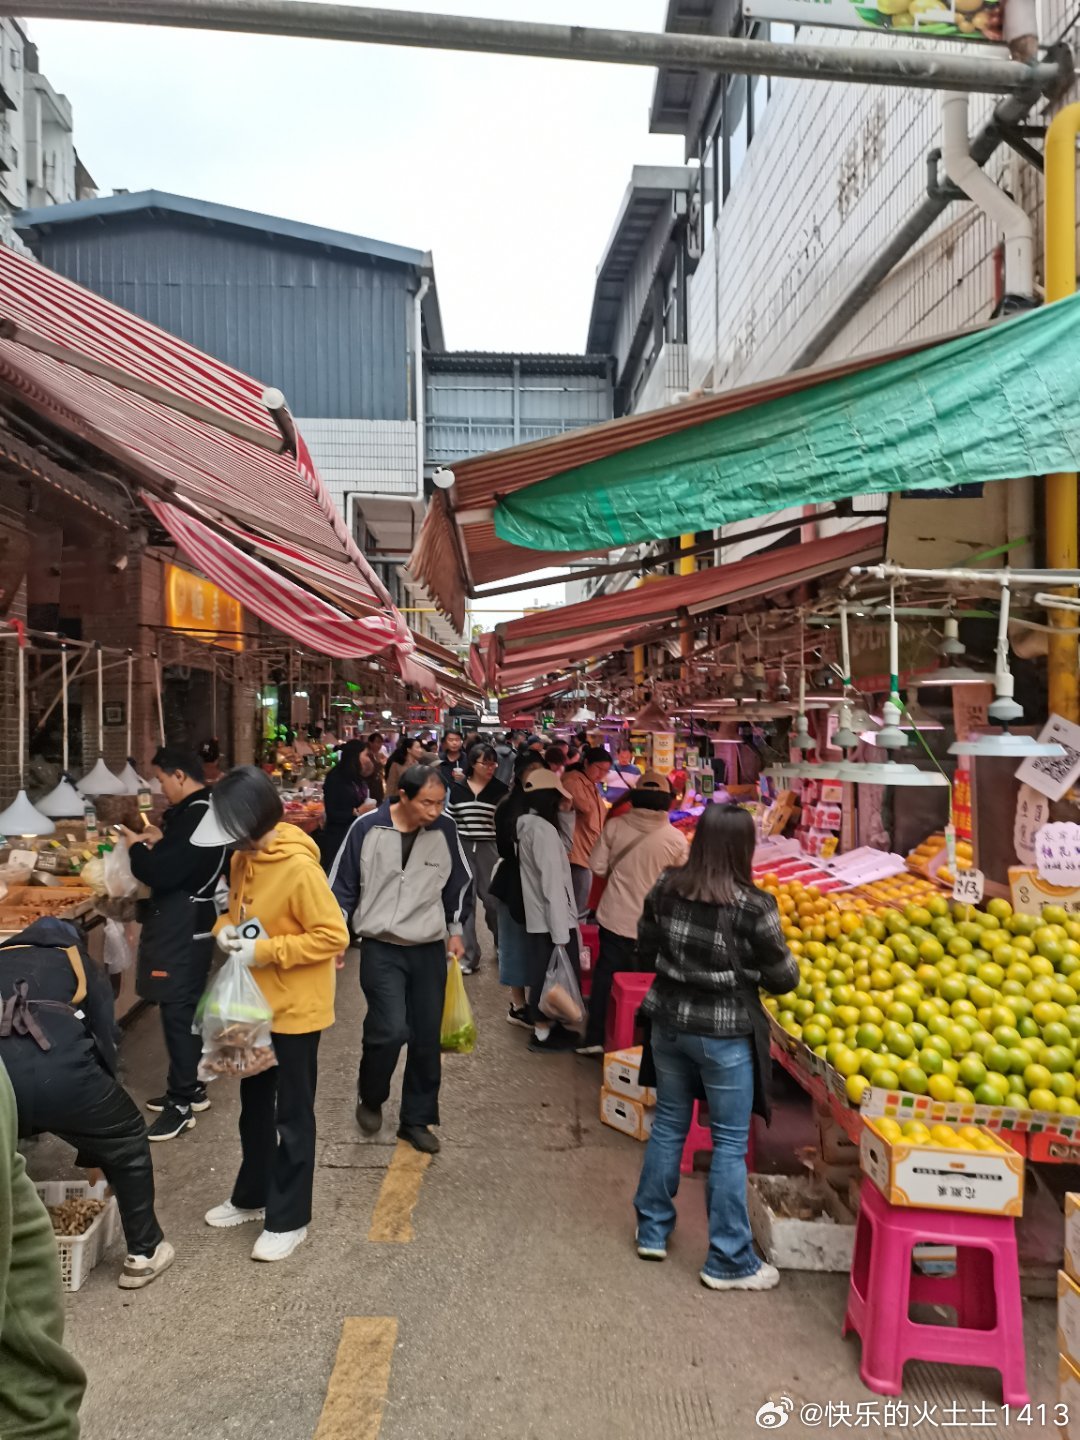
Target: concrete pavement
[(519, 1308)]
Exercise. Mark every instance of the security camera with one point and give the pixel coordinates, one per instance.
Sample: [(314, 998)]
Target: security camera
[(443, 477), (118, 562)]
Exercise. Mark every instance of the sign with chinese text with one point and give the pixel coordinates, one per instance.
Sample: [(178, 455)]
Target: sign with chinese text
[(969, 20), (199, 608), (663, 752), (1053, 775), (1057, 853), (968, 887), (1032, 813), (971, 709)]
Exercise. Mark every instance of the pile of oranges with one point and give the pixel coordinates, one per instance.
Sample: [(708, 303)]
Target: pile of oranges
[(806, 914)]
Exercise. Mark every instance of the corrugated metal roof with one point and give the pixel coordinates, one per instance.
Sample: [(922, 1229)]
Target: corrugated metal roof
[(105, 207)]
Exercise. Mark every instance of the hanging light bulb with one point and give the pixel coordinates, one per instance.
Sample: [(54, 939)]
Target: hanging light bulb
[(101, 780), (758, 681), (916, 716), (952, 673), (63, 802), (783, 686), (1004, 710), (129, 776), (845, 736), (21, 818)]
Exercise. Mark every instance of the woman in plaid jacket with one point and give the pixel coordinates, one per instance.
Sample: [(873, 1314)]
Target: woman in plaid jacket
[(713, 939)]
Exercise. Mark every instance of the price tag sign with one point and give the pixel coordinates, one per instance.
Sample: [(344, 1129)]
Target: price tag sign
[(1057, 853), (968, 887)]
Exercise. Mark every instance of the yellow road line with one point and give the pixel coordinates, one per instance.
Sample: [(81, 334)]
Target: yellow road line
[(400, 1190), (356, 1394)]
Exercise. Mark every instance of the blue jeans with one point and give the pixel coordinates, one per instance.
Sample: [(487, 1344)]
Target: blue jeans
[(725, 1066)]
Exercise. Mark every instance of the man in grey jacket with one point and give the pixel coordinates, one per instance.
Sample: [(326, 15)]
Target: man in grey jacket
[(404, 885)]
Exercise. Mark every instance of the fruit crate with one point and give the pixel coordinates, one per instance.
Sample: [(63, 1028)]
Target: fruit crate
[(80, 1253)]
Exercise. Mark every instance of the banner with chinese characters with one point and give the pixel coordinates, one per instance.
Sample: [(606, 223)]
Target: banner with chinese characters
[(971, 20), (202, 610)]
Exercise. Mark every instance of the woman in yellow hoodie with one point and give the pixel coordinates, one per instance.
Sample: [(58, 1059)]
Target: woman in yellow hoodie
[(284, 922)]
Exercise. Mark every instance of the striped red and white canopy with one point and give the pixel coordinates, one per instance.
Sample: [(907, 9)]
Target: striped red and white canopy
[(210, 461)]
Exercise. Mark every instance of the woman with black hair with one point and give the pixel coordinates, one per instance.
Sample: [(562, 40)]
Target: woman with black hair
[(548, 895), (505, 890), (409, 752), (471, 804), (713, 939), (345, 796), (279, 894)]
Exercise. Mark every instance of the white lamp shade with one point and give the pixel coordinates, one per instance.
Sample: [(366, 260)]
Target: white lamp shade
[(1006, 746), (21, 818), (582, 716), (101, 781), (131, 780), (63, 802), (892, 772)]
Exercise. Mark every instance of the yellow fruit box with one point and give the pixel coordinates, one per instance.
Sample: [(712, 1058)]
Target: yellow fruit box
[(1072, 1235), (622, 1069), (934, 1177), (1068, 1395), (630, 1116), (1068, 1318)]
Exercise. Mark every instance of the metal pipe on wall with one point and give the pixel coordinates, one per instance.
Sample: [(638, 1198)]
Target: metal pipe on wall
[(305, 19)]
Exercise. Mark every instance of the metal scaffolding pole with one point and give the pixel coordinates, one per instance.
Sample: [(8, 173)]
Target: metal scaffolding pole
[(305, 19)]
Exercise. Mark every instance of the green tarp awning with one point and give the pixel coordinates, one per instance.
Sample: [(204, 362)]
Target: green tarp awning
[(998, 404)]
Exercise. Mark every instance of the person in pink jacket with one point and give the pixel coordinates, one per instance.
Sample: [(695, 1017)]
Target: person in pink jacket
[(632, 852)]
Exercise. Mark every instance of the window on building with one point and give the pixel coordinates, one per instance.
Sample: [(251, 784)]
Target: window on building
[(736, 128)]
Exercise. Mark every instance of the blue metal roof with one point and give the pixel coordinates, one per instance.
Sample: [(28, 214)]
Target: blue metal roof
[(47, 217)]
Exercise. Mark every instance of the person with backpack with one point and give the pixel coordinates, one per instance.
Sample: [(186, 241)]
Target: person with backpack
[(57, 1043)]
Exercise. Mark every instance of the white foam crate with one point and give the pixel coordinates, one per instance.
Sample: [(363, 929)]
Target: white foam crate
[(80, 1253)]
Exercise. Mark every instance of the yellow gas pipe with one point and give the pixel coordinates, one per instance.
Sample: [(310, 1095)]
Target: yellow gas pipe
[(1061, 498)]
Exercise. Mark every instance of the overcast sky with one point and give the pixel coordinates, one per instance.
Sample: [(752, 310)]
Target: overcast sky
[(509, 170)]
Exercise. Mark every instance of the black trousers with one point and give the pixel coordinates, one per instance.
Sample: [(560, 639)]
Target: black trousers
[(404, 986), (277, 1134), (617, 952), (538, 953), (87, 1108), (183, 1049)]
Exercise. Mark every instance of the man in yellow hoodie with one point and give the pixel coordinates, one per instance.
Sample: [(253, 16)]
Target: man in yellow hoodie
[(283, 921)]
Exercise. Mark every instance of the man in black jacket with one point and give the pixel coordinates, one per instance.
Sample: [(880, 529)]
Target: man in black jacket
[(176, 945), (57, 1043)]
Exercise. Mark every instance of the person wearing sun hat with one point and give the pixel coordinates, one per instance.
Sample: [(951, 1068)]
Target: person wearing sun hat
[(631, 854), (544, 836)]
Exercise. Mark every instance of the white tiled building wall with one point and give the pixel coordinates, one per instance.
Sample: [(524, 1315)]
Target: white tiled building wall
[(833, 171), (370, 457)]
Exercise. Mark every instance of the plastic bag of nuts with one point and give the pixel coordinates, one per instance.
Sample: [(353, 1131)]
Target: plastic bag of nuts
[(234, 1020)]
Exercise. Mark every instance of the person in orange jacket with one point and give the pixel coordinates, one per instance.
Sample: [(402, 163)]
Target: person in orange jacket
[(284, 922)]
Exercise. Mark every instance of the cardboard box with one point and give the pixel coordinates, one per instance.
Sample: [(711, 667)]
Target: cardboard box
[(1068, 1318), (837, 1146), (824, 1241), (932, 1177), (1072, 1235), (630, 1116), (621, 1071), (1069, 1397)]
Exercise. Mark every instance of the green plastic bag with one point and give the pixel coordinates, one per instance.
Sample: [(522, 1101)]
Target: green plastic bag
[(458, 1026)]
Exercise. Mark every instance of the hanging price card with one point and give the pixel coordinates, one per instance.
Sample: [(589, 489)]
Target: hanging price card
[(1032, 813), (1057, 853), (968, 887)]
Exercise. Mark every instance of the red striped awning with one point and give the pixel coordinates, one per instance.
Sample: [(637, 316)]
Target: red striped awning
[(209, 457)]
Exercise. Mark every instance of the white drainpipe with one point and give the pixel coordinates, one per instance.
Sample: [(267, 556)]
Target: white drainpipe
[(418, 378), (1013, 220)]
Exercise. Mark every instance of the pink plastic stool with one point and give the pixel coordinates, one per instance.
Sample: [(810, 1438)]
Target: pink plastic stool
[(984, 1292), (590, 940), (628, 990), (699, 1137)]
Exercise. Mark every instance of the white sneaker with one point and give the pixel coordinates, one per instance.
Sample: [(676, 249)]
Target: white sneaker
[(766, 1277), (648, 1252), (224, 1217), (278, 1244), (139, 1270)]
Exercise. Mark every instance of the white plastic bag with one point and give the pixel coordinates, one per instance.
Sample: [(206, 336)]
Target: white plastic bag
[(560, 998), (119, 881), (234, 1020), (118, 953)]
